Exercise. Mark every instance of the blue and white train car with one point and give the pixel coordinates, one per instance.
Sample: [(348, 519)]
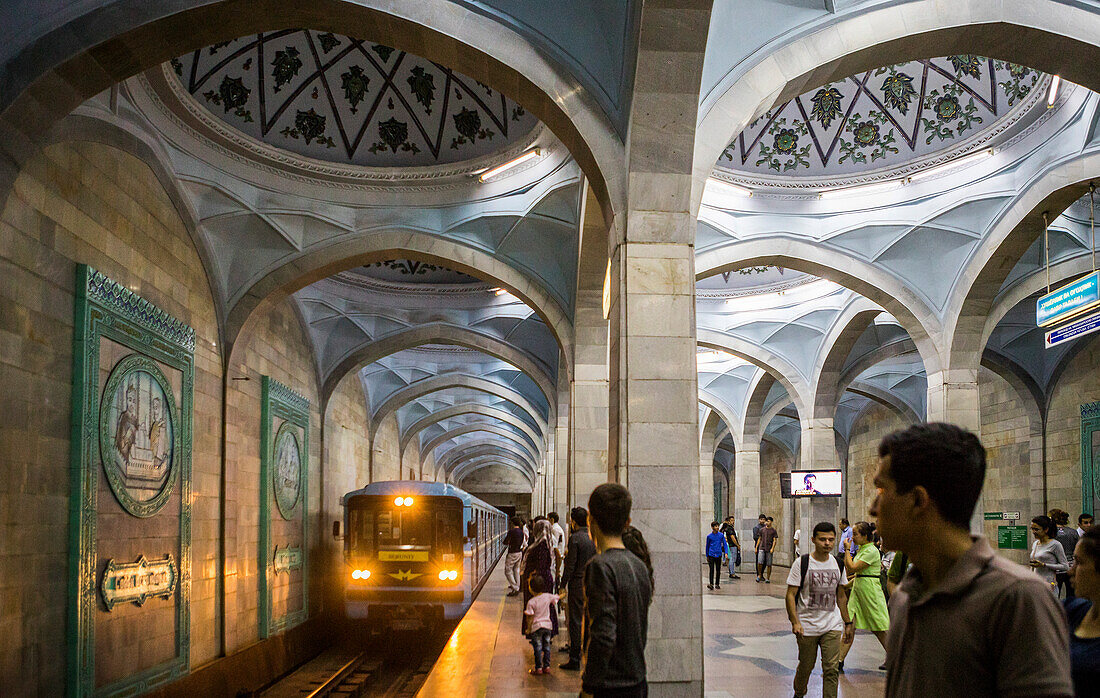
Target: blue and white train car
[(415, 552)]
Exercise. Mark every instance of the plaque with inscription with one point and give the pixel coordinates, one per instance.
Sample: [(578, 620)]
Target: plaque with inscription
[(138, 581), (287, 559)]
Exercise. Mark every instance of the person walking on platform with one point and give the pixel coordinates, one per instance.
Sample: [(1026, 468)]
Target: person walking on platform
[(817, 606), (538, 558), (765, 548), (578, 553), (617, 597), (514, 541), (538, 624), (866, 603), (557, 540), (1068, 537), (730, 531), (716, 549), (964, 622), (761, 522)]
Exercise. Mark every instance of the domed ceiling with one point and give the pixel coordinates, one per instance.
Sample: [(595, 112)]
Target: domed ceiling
[(891, 116), (347, 100)]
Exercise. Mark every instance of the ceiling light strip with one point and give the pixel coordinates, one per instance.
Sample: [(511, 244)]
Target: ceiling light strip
[(516, 162)]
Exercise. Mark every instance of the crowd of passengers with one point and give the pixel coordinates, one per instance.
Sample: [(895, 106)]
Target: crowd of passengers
[(954, 618)]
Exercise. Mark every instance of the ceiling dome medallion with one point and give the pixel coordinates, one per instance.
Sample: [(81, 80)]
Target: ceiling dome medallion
[(335, 98), (884, 119)]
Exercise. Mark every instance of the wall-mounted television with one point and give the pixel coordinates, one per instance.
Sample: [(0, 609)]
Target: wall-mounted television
[(811, 483)]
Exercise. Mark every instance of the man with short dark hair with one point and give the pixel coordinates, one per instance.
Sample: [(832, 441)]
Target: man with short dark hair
[(512, 559), (617, 596), (817, 606), (964, 621), (730, 532), (765, 549), (579, 552), (846, 542), (761, 522), (1084, 523)]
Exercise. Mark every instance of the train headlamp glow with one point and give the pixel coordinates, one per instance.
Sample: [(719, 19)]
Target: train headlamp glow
[(408, 501), (402, 501), (445, 575), (360, 574)]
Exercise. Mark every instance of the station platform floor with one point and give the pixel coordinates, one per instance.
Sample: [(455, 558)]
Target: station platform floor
[(748, 649)]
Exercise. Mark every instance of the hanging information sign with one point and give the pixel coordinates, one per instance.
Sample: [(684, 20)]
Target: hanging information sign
[(1086, 325), (1069, 301)]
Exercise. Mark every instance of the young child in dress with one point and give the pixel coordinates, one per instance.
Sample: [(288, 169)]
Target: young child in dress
[(539, 626)]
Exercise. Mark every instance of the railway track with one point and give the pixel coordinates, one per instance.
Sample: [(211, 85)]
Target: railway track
[(390, 665)]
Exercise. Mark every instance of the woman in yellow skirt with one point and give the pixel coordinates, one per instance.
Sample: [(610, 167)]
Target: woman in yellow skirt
[(866, 603)]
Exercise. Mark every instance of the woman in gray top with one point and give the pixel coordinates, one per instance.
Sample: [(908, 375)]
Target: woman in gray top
[(1048, 558)]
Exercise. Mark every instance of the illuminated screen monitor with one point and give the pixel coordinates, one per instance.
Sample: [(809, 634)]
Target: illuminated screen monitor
[(813, 483)]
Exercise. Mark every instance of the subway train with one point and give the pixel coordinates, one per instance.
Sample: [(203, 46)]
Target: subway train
[(416, 552)]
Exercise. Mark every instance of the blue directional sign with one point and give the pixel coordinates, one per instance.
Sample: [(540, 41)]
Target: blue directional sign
[(1069, 301), (1084, 326)]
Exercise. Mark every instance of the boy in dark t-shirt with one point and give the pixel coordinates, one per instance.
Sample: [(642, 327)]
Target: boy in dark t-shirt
[(617, 597)]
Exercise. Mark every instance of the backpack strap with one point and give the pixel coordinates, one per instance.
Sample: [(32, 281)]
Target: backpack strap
[(804, 564)]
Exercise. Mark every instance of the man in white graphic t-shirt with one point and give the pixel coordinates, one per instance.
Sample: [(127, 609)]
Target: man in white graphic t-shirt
[(817, 607)]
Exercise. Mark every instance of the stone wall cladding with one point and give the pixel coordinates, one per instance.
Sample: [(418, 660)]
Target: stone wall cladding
[(773, 461), (347, 467), (94, 204), (1006, 431), (276, 346), (387, 451), (870, 426), (1078, 385)]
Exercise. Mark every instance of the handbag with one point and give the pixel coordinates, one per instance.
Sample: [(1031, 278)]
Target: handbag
[(737, 557)]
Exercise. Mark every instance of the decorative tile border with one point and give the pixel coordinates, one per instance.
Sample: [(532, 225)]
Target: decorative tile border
[(279, 400), (1090, 422), (105, 309)]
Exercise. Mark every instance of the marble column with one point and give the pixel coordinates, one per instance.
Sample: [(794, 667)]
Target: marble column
[(818, 452), (953, 398), (746, 487), (562, 445), (706, 483), (588, 448)]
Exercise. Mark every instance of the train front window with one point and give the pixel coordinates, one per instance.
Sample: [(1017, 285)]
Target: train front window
[(401, 527), (360, 539)]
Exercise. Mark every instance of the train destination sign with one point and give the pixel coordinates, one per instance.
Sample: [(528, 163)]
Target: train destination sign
[(1086, 325), (1069, 301), (138, 581)]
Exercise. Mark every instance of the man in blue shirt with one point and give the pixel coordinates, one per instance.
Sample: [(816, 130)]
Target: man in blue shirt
[(846, 542), (717, 548)]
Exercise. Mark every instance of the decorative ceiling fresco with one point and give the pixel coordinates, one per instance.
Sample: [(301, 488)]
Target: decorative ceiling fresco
[(411, 271), (348, 100), (887, 117)]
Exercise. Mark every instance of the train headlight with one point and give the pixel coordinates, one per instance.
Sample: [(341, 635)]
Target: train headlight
[(408, 501), (360, 574), (398, 501), (448, 575)]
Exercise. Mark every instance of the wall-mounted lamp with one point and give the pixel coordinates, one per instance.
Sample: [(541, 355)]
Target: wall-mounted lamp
[(515, 162)]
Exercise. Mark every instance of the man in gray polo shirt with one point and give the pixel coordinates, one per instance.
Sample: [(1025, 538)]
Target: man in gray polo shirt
[(963, 621)]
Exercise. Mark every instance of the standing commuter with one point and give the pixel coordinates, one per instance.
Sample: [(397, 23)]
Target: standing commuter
[(846, 543), (1068, 538), (716, 549), (1084, 523), (1084, 615), (817, 607), (1048, 558), (514, 541), (731, 540), (538, 558), (964, 622), (580, 551), (537, 624), (762, 521), (765, 548), (796, 540), (557, 540), (617, 596)]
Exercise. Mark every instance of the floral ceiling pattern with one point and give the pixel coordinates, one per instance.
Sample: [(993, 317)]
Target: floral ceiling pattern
[(347, 100), (884, 117)]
